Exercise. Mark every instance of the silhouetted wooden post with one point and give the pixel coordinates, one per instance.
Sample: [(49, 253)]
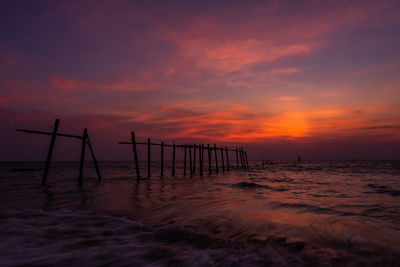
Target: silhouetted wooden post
[(184, 162), (190, 160), (136, 156), (162, 159), (227, 158), (148, 157), (237, 158), (241, 157), (94, 159), (222, 159), (194, 159), (50, 153), (247, 163), (201, 153), (173, 159), (84, 136), (216, 158), (209, 159)]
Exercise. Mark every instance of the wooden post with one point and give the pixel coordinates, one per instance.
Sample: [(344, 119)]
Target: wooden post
[(84, 136), (194, 159), (237, 158), (201, 153), (50, 153), (222, 159), (184, 162), (216, 158), (190, 160), (227, 158), (93, 158), (247, 162), (173, 159), (136, 156), (209, 159), (241, 157), (148, 157), (162, 159)]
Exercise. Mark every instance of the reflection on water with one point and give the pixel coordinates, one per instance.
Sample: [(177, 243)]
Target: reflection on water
[(336, 212)]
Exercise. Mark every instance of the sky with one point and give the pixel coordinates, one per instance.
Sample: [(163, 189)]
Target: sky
[(320, 79)]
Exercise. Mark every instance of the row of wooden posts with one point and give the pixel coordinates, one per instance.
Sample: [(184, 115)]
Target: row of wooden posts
[(241, 156)]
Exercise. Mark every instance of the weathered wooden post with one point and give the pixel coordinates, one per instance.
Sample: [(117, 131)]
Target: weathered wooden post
[(93, 157), (227, 158), (194, 159), (201, 153), (184, 162), (50, 153), (247, 162), (237, 157), (84, 136), (162, 159), (241, 157), (209, 159), (216, 158), (173, 159), (222, 159), (148, 157), (190, 160), (136, 156)]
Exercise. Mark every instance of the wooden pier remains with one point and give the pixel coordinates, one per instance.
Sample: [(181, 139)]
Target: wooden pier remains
[(192, 150), (85, 141)]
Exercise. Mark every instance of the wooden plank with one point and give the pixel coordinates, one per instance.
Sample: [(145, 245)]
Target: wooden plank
[(84, 136), (135, 154), (50, 153), (49, 133)]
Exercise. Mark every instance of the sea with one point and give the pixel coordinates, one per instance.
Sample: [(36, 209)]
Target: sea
[(283, 213)]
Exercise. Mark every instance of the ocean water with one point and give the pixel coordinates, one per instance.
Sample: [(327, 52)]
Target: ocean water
[(314, 213)]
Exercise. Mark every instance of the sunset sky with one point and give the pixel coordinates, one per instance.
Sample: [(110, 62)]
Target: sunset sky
[(319, 79)]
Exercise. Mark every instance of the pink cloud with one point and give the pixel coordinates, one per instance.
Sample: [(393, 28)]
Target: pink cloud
[(141, 82)]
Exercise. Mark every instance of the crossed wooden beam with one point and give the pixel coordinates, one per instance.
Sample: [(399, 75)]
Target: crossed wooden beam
[(85, 141)]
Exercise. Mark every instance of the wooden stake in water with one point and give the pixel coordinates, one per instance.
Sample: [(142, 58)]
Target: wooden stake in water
[(227, 158), (216, 158), (247, 162), (93, 158), (162, 159), (50, 153), (209, 159), (84, 136), (237, 158), (148, 157), (194, 159), (173, 159), (201, 153), (184, 162), (190, 160), (136, 156), (222, 159)]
